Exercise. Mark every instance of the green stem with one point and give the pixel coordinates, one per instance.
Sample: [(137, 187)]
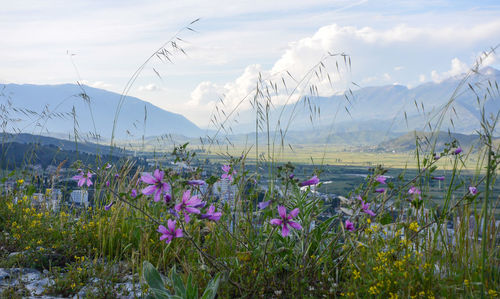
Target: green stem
[(485, 219)]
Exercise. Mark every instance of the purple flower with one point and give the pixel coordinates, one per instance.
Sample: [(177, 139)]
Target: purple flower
[(107, 207), (472, 190), (108, 166), (457, 151), (312, 181), (291, 176), (414, 190), (189, 205), (107, 183), (133, 194), (167, 198), (366, 208), (438, 178), (211, 214), (157, 186), (358, 197), (226, 174), (196, 182), (349, 225), (83, 179), (285, 220), (381, 179), (380, 190), (169, 233), (117, 175), (264, 204), (436, 157)]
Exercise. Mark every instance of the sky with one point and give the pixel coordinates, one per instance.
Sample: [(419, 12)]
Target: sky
[(102, 44)]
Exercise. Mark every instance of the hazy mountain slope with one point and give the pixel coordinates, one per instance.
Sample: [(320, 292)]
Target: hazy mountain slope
[(384, 107), (57, 102)]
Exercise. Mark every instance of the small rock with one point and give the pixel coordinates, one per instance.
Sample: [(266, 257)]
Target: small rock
[(13, 254)]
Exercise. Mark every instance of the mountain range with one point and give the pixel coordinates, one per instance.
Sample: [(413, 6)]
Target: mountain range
[(366, 116), (48, 109), (391, 108)]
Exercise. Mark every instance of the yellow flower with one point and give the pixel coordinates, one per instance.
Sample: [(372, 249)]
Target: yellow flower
[(20, 181), (493, 293), (466, 282), (356, 274), (414, 226), (393, 296), (373, 290)]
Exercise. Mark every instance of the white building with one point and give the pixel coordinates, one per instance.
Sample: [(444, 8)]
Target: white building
[(54, 198), (80, 197)]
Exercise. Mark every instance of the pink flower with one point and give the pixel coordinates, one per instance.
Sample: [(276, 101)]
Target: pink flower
[(414, 190), (285, 220), (108, 207), (83, 179), (196, 182), (157, 186), (211, 214), (107, 183), (366, 208), (438, 178), (381, 179), (264, 204), (472, 190), (457, 151), (169, 233), (349, 225), (189, 205), (312, 181), (226, 174), (133, 194)]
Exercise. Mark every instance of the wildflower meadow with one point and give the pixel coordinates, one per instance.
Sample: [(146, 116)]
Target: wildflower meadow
[(182, 225)]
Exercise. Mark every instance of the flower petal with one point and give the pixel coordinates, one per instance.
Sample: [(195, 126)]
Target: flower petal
[(149, 190), (162, 229), (285, 231), (148, 178), (295, 225), (157, 196), (186, 196), (276, 221), (293, 213), (282, 211), (158, 174), (192, 210), (264, 204)]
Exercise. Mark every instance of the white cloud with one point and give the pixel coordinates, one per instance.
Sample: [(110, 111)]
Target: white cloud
[(148, 87), (366, 44), (97, 84), (457, 68)]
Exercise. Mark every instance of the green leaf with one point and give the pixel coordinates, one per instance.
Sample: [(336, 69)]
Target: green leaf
[(191, 290), (154, 280), (386, 219), (212, 287), (179, 288)]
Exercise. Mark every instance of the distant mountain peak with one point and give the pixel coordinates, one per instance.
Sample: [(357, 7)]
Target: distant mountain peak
[(136, 118), (489, 71)]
